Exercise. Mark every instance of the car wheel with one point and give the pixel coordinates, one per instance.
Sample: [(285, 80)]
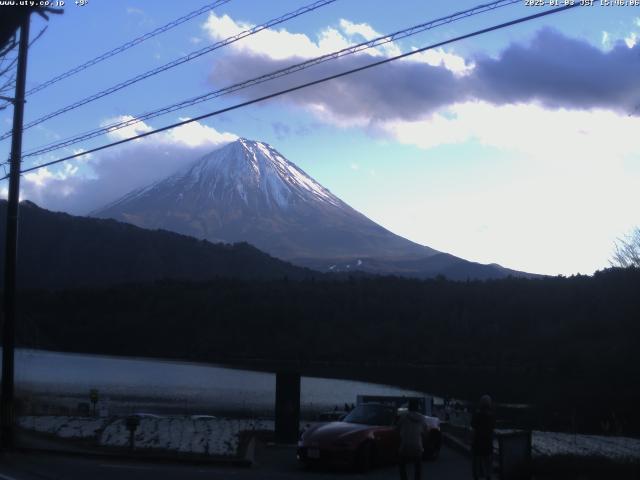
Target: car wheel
[(432, 446), (365, 457)]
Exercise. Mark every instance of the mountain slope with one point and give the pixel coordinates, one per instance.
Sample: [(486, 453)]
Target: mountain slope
[(447, 265), (247, 191), (60, 250)]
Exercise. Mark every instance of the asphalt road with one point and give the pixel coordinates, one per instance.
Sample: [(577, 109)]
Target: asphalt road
[(272, 463)]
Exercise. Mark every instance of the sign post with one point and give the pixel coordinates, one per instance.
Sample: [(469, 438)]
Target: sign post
[(287, 407), (93, 396)]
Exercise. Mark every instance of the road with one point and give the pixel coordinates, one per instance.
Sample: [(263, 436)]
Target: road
[(272, 463)]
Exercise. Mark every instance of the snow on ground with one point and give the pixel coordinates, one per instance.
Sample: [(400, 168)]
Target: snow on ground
[(63, 426), (185, 435), (615, 448), (221, 436), (551, 444), (210, 436)]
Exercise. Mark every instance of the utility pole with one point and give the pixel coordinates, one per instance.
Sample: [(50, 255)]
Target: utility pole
[(11, 248)]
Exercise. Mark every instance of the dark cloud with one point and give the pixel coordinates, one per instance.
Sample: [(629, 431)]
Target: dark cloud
[(403, 89), (552, 69), (557, 71)]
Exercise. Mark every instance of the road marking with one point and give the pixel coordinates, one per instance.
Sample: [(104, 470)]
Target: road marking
[(212, 470), (131, 467), (6, 477)]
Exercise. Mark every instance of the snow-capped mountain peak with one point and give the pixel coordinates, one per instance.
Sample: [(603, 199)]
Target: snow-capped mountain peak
[(246, 166), (248, 191)]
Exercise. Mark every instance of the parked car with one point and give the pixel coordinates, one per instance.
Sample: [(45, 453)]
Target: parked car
[(367, 436), (332, 415)]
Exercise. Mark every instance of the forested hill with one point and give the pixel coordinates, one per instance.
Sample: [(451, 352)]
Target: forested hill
[(57, 250), (564, 341)]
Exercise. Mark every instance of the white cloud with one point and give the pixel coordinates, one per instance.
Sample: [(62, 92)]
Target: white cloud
[(367, 32), (327, 115), (527, 128), (98, 178), (440, 58), (135, 11), (196, 134), (40, 177), (37, 182), (83, 158), (275, 44), (282, 44), (569, 187), (540, 220), (192, 134), (631, 40), (364, 30), (128, 131), (144, 20)]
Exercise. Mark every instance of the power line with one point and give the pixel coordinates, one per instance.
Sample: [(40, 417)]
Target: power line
[(5, 69), (307, 84), (179, 61), (272, 75), (128, 45)]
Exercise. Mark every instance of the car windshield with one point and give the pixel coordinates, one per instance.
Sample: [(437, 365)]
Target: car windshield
[(372, 415)]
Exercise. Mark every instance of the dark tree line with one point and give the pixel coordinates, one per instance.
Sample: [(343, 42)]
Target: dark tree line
[(58, 250), (546, 340)]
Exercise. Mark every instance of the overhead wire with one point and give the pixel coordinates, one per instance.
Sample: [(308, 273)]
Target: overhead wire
[(11, 81), (126, 46), (174, 63), (306, 85), (375, 42)]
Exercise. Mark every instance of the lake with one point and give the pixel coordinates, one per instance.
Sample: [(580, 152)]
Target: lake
[(54, 380)]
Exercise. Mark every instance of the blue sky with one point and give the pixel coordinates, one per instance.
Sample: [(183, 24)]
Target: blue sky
[(518, 147)]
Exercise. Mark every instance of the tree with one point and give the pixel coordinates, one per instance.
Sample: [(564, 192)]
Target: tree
[(627, 251), (12, 18)]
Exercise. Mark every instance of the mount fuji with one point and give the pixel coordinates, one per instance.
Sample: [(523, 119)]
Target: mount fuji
[(247, 191)]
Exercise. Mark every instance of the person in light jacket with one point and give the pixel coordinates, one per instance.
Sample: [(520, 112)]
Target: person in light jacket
[(410, 428)]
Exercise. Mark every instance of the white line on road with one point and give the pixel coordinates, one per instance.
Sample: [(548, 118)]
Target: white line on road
[(213, 471), (129, 467), (6, 477)]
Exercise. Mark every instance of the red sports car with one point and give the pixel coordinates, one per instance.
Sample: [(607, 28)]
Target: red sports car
[(367, 436)]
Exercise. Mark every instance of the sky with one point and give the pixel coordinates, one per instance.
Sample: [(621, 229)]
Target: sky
[(518, 147)]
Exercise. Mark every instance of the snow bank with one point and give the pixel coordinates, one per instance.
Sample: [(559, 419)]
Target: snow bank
[(555, 444), (64, 426), (202, 436), (619, 449), (205, 436)]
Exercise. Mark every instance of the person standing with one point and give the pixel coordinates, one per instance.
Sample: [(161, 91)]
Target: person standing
[(483, 423), (410, 428)]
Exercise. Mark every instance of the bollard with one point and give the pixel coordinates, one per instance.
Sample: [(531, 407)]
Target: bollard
[(515, 455), (132, 423)]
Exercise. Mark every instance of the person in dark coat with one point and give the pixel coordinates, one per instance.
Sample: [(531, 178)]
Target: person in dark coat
[(483, 423)]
